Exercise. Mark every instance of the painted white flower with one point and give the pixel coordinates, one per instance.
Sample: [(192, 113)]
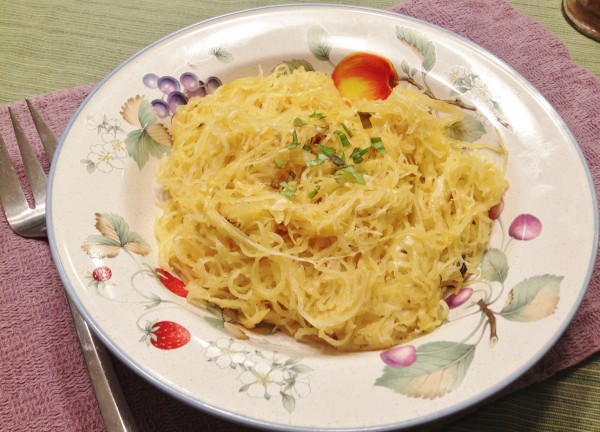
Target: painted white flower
[(100, 123), (226, 353), (104, 158), (114, 145), (456, 73), (301, 387), (261, 379)]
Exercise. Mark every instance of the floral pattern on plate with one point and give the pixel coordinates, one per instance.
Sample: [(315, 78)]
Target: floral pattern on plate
[(105, 166)]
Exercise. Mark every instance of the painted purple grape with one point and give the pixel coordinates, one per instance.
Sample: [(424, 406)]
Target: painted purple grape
[(176, 99), (168, 84), (525, 227), (199, 92), (399, 356), (189, 81), (150, 80), (161, 108), (212, 84), (495, 212), (456, 300)]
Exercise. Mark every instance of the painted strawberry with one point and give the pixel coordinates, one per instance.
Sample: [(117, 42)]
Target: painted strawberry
[(172, 283), (102, 274), (166, 335)]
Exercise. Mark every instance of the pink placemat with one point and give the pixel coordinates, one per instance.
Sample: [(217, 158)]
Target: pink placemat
[(44, 385)]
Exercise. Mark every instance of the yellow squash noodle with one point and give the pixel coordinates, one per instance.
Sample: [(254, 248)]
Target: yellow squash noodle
[(356, 253)]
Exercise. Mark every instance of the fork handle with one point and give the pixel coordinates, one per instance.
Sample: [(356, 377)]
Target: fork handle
[(113, 407)]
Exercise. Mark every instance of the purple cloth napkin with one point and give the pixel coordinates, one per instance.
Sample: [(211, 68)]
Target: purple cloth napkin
[(44, 385)]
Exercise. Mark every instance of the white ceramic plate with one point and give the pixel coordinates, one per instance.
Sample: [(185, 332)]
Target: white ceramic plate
[(539, 265)]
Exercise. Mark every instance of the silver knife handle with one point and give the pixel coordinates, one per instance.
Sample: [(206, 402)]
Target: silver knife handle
[(113, 407)]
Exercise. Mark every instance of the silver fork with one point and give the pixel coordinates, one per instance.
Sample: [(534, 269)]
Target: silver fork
[(31, 222)]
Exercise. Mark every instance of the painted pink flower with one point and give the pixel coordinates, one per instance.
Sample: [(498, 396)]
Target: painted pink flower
[(399, 356), (525, 227), (456, 300)]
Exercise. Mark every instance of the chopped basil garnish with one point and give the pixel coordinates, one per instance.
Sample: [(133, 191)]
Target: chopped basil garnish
[(280, 164), (378, 144), (346, 130), (314, 192), (299, 122), (287, 189), (343, 137), (350, 170), (357, 154), (317, 115), (294, 143), (328, 151), (307, 148), (318, 161)]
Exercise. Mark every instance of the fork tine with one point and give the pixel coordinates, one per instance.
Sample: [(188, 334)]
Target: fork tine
[(33, 168), (46, 136), (11, 194)]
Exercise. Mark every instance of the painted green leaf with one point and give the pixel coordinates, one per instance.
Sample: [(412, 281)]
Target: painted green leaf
[(100, 240), (292, 361), (221, 54), (421, 44), (405, 67), (146, 114), (115, 235), (245, 387), (318, 42), (468, 129), (300, 369), (440, 367), (288, 401), (533, 299), (494, 265), (90, 166), (120, 227), (297, 64), (140, 146), (215, 322)]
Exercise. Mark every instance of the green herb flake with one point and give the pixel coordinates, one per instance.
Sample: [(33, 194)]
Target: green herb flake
[(350, 170), (294, 143), (288, 186), (358, 153), (317, 115), (307, 148), (299, 122), (280, 164), (287, 189), (343, 137), (342, 155), (328, 151), (318, 161), (314, 192), (346, 130), (378, 144)]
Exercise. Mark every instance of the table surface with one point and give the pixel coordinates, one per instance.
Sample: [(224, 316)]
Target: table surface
[(47, 45)]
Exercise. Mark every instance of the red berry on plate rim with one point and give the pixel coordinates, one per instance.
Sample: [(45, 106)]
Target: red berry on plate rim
[(166, 335), (102, 274)]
